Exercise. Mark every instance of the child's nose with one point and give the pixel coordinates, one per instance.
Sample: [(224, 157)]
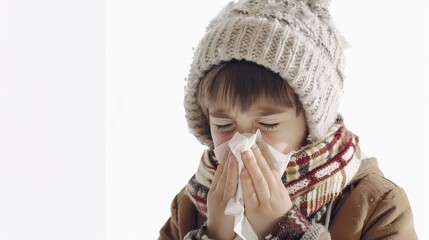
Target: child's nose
[(247, 129)]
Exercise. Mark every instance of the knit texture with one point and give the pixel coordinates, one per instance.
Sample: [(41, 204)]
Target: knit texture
[(198, 234), (294, 38), (315, 231), (292, 226), (315, 175)]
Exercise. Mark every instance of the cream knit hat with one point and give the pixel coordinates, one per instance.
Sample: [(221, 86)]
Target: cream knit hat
[(294, 38)]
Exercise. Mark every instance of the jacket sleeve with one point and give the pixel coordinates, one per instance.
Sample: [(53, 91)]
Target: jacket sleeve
[(184, 218), (170, 229), (392, 218)]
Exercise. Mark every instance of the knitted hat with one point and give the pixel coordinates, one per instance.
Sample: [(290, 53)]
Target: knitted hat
[(294, 38)]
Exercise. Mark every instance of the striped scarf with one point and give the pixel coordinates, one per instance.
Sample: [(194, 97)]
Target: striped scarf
[(315, 175)]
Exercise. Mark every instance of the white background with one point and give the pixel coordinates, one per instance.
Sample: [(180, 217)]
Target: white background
[(150, 153), (52, 130), (93, 138)]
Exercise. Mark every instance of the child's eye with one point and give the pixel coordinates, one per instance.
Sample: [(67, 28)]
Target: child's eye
[(269, 126), (224, 127)]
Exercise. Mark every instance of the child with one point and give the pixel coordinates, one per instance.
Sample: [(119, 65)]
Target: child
[(277, 68)]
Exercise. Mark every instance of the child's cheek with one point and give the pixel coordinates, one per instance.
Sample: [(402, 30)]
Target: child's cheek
[(278, 142), (221, 137)]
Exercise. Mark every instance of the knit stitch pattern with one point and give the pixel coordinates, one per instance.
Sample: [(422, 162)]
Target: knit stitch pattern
[(295, 39), (292, 226), (315, 232)]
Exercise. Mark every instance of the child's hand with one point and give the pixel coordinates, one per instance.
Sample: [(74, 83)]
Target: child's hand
[(224, 187), (266, 199)]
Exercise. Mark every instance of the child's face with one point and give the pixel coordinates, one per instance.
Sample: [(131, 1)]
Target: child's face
[(280, 126)]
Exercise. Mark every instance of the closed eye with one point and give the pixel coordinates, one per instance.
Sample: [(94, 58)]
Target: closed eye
[(223, 127), (269, 126)]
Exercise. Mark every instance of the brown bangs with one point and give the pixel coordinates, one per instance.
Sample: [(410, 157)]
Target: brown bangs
[(242, 84)]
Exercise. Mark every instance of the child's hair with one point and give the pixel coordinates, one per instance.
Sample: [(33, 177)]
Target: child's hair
[(243, 84), (295, 39)]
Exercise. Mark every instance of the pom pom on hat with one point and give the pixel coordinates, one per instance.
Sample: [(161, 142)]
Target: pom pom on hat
[(296, 39)]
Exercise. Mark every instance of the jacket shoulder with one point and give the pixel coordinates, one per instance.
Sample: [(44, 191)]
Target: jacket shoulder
[(184, 218), (372, 207)]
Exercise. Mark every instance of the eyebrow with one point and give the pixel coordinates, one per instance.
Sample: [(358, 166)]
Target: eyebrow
[(269, 112), (262, 112), (220, 113)]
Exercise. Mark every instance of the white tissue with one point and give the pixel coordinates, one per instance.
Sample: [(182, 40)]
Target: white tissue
[(235, 207)]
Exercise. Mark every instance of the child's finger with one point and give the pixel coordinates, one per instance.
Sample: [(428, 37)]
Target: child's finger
[(232, 178), (222, 178), (219, 171), (265, 165), (258, 179), (249, 193)]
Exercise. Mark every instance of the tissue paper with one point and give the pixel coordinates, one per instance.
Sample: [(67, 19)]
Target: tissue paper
[(235, 207)]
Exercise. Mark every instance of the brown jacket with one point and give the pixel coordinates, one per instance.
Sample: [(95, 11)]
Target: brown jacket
[(371, 207)]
